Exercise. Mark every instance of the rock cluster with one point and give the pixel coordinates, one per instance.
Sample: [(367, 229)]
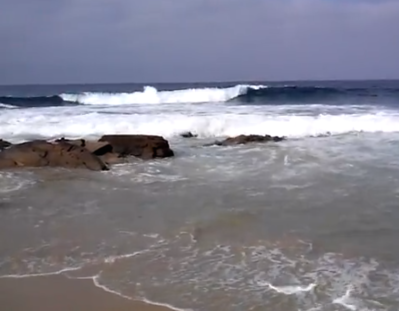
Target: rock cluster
[(98, 155), (92, 155)]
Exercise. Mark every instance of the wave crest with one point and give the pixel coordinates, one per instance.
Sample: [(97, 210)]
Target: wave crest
[(241, 93), (150, 95), (291, 93)]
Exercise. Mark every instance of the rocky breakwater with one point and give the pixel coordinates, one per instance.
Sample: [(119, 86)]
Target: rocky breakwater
[(81, 153)]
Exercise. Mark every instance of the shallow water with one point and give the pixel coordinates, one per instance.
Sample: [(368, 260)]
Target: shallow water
[(305, 224)]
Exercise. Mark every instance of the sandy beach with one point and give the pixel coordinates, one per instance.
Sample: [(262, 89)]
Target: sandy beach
[(50, 293)]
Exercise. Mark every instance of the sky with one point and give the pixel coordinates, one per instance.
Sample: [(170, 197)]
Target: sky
[(104, 41)]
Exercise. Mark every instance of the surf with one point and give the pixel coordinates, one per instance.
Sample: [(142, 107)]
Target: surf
[(151, 95), (237, 94), (220, 121)]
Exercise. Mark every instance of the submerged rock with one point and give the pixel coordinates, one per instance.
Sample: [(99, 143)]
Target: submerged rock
[(141, 146), (40, 153), (4, 144), (245, 139), (188, 135)]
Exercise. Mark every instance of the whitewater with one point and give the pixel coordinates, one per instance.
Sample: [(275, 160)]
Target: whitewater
[(206, 112), (150, 95)]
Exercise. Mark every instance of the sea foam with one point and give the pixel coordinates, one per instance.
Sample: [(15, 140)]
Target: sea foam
[(36, 123), (7, 106), (150, 95)]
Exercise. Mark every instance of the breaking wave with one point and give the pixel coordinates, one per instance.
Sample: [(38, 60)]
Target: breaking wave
[(4, 106), (54, 124), (241, 93), (150, 95)]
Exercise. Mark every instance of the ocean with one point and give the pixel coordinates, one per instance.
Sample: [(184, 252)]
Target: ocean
[(306, 224)]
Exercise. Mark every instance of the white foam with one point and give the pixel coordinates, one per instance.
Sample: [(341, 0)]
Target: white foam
[(91, 277), (56, 123), (291, 289), (10, 182), (150, 95), (112, 259), (345, 300), (145, 300), (7, 106), (151, 235), (22, 276), (169, 306), (103, 287)]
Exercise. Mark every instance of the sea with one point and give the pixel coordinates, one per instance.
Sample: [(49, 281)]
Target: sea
[(310, 223)]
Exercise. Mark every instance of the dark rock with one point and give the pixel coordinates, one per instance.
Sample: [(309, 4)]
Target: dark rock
[(4, 144), (188, 135), (71, 156), (41, 153), (77, 142), (245, 139), (27, 154), (7, 163), (98, 148), (141, 146)]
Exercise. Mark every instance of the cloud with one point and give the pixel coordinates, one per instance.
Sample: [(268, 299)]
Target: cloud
[(177, 40)]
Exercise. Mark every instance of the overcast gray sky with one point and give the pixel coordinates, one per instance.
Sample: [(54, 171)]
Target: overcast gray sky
[(78, 41)]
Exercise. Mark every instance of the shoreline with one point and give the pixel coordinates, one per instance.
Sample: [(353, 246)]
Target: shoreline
[(61, 293)]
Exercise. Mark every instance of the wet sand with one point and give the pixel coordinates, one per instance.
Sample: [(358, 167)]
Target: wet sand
[(50, 293)]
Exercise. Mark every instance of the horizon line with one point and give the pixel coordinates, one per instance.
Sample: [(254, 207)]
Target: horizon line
[(199, 82)]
